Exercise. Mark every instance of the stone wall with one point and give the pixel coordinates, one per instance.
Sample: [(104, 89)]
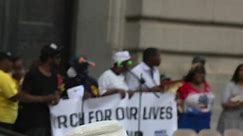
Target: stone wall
[(180, 29), (183, 29)]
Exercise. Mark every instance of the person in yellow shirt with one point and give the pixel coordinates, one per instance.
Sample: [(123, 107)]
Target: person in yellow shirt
[(10, 95)]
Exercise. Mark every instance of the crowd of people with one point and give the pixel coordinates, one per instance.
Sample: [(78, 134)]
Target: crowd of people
[(25, 96)]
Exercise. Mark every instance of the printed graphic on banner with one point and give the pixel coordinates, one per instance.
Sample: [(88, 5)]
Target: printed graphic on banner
[(158, 115), (75, 92), (160, 133)]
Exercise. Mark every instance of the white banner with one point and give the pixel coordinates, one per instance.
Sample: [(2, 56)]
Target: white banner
[(158, 115), (65, 116)]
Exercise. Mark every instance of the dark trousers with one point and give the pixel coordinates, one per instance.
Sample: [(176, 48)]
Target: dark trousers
[(6, 126), (38, 131)]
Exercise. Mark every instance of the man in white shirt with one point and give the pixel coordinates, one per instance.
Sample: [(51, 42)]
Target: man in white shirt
[(146, 70), (113, 80)]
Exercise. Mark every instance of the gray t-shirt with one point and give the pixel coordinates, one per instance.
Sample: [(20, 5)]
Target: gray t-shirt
[(231, 118), (231, 91)]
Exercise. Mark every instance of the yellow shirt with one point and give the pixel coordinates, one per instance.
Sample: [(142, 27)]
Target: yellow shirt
[(8, 108)]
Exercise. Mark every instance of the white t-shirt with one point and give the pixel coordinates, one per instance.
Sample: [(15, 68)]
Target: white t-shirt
[(109, 80), (144, 71)]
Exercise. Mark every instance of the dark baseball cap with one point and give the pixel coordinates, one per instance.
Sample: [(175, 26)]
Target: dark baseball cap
[(199, 59), (51, 50), (6, 55)]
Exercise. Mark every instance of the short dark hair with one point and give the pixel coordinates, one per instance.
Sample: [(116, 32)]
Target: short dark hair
[(193, 71), (149, 53), (236, 77), (16, 58)]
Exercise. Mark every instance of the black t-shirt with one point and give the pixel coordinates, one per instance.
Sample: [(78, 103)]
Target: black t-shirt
[(35, 83)]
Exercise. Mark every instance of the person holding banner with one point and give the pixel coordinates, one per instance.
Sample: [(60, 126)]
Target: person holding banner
[(42, 80), (78, 74), (147, 70), (195, 99), (113, 80), (10, 94)]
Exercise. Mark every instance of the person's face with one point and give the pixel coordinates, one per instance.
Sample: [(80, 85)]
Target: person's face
[(126, 65), (199, 77), (7, 65), (156, 60), (18, 65), (241, 73)]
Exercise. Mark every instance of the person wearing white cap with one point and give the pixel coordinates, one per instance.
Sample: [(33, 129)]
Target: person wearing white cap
[(103, 128), (113, 80)]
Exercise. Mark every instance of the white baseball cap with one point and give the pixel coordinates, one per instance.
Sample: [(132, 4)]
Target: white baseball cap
[(103, 128), (121, 56)]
